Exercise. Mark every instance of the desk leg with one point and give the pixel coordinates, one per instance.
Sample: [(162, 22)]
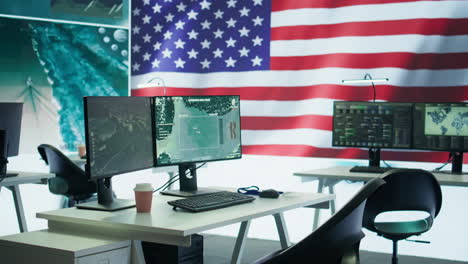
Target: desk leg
[(240, 243), (19, 208), (331, 190), (317, 210), (137, 253), (282, 230)]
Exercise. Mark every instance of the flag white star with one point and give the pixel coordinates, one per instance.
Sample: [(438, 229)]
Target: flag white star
[(181, 7), (192, 54), (169, 17), (205, 4), (256, 61), (157, 46), (146, 2), (230, 62), (217, 53), (231, 3), (157, 8), (179, 63), (192, 14), (156, 63), (218, 14), (146, 19), (146, 56), (180, 24), (136, 30), (146, 38), (136, 12), (244, 32), (169, 1), (205, 64), (244, 52), (179, 44), (158, 28), (257, 2), (192, 34), (244, 12), (231, 23), (231, 42), (136, 67), (257, 21), (136, 48), (205, 44), (218, 33), (206, 24), (166, 53), (168, 35), (257, 41)]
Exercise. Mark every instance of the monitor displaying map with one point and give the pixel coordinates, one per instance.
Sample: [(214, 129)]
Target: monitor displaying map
[(196, 129), (446, 120), (118, 134)]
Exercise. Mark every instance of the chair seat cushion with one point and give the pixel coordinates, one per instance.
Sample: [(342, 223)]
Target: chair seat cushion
[(403, 229)]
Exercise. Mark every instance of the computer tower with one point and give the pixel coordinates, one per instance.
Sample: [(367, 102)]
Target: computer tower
[(156, 253)]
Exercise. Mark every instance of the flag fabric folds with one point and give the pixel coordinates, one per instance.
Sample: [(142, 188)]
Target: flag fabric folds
[(286, 60)]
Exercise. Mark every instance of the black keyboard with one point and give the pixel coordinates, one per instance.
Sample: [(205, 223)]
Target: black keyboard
[(211, 201), (368, 169)]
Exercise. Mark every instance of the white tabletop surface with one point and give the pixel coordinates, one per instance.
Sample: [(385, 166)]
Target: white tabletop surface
[(25, 177)]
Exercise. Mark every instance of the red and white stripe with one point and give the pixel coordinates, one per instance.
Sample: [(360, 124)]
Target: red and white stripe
[(421, 46)]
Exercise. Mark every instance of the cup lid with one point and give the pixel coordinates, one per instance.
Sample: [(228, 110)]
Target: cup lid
[(143, 187)]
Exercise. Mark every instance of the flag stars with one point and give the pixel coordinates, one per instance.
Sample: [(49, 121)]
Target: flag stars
[(205, 64), (180, 24), (257, 2), (257, 61), (206, 24), (231, 23), (179, 63), (230, 62), (192, 54), (169, 17), (219, 14), (146, 38), (244, 32), (205, 44), (257, 21), (136, 12), (257, 41), (205, 4), (155, 63), (158, 28), (166, 53), (231, 3), (146, 19), (136, 48), (168, 35), (244, 52), (181, 7), (217, 53), (192, 15), (244, 12), (146, 2), (179, 44), (135, 67), (136, 30), (146, 56), (231, 42), (192, 34), (218, 33), (157, 8), (157, 46)]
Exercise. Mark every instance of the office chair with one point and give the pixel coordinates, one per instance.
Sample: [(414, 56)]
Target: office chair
[(405, 190), (336, 241), (70, 181)]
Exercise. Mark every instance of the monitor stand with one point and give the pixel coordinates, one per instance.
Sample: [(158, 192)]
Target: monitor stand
[(188, 183), (457, 163), (106, 201), (3, 156), (374, 160)]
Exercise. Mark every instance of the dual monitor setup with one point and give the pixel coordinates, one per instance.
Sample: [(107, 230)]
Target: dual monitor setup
[(422, 126), (125, 134)]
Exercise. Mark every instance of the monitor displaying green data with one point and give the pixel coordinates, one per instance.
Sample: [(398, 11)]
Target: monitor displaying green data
[(197, 129)]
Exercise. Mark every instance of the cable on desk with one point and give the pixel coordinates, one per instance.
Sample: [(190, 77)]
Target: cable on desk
[(173, 179), (449, 160)]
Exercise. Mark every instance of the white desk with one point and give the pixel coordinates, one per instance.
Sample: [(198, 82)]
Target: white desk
[(329, 177), (164, 225), (12, 184)]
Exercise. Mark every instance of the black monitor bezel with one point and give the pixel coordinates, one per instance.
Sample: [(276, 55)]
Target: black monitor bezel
[(413, 146), (195, 161), (411, 105), (88, 159), (13, 126)]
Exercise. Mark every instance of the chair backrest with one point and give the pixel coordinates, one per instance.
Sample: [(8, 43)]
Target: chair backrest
[(329, 242), (405, 189), (72, 179)]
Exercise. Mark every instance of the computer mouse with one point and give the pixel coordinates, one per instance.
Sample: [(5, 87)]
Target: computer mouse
[(269, 193)]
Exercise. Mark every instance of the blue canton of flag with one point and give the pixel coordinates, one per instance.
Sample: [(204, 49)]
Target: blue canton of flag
[(200, 36)]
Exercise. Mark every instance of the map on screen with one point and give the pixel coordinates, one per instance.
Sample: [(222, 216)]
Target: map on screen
[(446, 120), (197, 128)]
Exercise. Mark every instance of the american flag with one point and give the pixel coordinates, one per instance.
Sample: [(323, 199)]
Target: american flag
[(287, 58)]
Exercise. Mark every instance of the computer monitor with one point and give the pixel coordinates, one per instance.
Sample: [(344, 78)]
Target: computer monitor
[(372, 125), (10, 130), (119, 136), (194, 129), (444, 127)]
